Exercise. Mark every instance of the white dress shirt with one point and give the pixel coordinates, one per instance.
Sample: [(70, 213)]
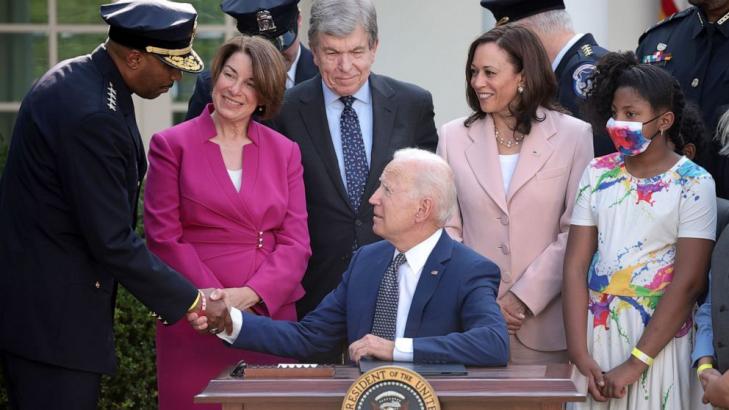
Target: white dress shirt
[(407, 277), (236, 177), (291, 74), (363, 107), (508, 166)]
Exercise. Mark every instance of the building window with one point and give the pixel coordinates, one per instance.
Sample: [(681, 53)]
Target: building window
[(37, 34)]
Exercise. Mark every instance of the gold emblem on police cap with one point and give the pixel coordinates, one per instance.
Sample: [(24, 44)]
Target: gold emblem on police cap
[(265, 21), (502, 21)]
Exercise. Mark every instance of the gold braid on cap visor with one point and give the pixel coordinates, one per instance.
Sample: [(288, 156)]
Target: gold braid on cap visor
[(185, 59)]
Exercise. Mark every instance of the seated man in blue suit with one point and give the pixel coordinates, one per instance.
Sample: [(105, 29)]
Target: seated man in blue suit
[(416, 296)]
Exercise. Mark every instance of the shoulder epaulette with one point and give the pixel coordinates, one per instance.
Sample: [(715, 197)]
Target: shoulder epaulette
[(672, 18)]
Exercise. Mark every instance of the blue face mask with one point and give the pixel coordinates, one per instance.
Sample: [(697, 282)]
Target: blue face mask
[(627, 136)]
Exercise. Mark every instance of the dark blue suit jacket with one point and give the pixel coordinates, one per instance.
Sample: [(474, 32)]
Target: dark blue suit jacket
[(453, 317)]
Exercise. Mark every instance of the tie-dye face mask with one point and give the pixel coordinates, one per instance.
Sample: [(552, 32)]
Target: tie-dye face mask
[(628, 136)]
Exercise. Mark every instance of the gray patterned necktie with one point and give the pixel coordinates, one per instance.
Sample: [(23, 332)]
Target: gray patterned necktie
[(356, 168), (388, 297)]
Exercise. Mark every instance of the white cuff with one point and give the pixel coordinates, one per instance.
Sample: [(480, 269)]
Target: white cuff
[(403, 351), (237, 317)]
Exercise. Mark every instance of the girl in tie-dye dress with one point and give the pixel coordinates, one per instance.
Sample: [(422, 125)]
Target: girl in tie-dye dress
[(642, 230)]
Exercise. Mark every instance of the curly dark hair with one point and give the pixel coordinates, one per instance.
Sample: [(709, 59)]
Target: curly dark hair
[(692, 130), (655, 85), (529, 58)]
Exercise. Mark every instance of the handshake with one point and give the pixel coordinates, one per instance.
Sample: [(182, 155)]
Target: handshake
[(211, 313)]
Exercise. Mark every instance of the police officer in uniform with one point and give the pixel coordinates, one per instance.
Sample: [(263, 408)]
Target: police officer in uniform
[(573, 55), (277, 20), (68, 197), (693, 45)]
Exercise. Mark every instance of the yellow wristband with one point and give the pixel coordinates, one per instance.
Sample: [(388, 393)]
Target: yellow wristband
[(197, 299), (704, 367), (642, 356)]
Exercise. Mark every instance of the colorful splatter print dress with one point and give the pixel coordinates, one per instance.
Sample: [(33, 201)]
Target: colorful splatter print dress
[(639, 221)]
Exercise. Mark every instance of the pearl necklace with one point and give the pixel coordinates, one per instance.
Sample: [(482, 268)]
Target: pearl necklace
[(507, 143)]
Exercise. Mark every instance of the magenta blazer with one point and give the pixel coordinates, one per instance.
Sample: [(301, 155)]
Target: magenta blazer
[(217, 237), (198, 223)]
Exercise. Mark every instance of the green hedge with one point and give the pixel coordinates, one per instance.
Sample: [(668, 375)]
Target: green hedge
[(135, 384)]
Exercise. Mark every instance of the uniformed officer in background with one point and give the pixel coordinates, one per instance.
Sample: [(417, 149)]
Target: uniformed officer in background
[(68, 196), (278, 21), (693, 45), (573, 55)]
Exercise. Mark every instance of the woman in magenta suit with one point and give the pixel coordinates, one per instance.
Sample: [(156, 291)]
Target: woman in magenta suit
[(225, 206)]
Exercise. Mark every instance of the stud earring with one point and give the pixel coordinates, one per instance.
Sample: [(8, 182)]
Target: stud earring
[(260, 109), (520, 89)]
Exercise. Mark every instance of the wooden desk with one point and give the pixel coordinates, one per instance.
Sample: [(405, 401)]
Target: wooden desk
[(509, 388)]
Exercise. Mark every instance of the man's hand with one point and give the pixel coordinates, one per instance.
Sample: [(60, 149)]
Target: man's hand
[(371, 346), (717, 391), (216, 317), (514, 311)]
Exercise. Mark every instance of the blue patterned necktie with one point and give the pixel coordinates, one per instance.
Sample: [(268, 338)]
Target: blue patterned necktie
[(356, 168), (388, 296)]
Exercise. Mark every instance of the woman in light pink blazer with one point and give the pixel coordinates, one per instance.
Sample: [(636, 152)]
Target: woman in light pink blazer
[(517, 161), (225, 206)]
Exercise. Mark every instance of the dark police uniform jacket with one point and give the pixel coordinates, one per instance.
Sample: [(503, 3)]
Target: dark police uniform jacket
[(202, 95), (697, 54), (573, 76), (68, 197)]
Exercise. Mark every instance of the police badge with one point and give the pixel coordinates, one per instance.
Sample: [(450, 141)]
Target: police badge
[(582, 79), (265, 21)]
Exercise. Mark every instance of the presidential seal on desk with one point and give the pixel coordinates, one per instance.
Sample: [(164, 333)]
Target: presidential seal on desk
[(391, 388)]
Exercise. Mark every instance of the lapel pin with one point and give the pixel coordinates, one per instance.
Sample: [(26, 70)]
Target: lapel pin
[(434, 272), (661, 46)]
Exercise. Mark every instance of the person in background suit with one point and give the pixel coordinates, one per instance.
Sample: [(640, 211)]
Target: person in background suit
[(716, 380), (276, 20), (68, 199), (703, 355), (417, 296), (224, 205), (517, 161), (573, 55), (348, 122)]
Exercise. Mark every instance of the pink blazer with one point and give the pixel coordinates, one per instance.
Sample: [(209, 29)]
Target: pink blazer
[(198, 223), (524, 231)]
